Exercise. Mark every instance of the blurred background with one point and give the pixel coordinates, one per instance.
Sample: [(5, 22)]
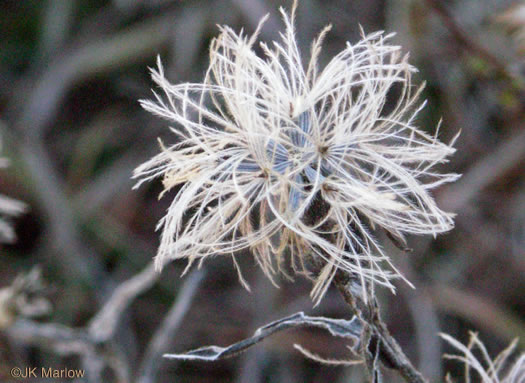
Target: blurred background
[(71, 72)]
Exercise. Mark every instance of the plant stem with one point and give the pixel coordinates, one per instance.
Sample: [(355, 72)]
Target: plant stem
[(390, 352), (376, 340)]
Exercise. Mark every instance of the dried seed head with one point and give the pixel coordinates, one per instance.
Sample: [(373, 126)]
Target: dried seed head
[(268, 137)]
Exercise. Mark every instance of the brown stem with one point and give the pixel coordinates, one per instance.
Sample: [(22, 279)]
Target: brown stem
[(376, 339), (390, 352)]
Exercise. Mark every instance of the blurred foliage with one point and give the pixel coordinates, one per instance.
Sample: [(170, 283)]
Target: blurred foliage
[(71, 75)]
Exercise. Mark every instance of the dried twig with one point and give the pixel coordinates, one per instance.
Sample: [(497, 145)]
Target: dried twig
[(426, 325), (337, 327), (142, 40), (376, 342), (482, 312), (164, 334), (496, 370), (103, 324), (95, 343), (61, 339), (75, 261), (388, 350), (486, 171)]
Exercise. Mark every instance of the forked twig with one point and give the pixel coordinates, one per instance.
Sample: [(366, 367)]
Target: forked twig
[(163, 336), (381, 343), (336, 327), (95, 344)]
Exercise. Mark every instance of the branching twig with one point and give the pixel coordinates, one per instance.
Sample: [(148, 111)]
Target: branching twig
[(103, 324), (95, 343), (164, 334), (336, 327), (61, 339), (390, 353), (76, 261)]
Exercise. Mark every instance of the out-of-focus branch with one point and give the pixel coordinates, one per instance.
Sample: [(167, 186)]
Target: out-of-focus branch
[(425, 321), (489, 169), (138, 42), (111, 182), (61, 339), (103, 324), (164, 334), (473, 46), (483, 313), (43, 100), (57, 22), (75, 261), (95, 343)]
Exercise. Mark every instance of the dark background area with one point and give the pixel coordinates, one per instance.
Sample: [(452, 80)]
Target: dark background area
[(71, 73)]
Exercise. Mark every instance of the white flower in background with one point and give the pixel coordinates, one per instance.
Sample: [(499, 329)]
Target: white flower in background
[(277, 157), (8, 208), (498, 370)]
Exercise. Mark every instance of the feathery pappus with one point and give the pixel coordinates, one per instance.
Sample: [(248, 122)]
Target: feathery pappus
[(263, 142)]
